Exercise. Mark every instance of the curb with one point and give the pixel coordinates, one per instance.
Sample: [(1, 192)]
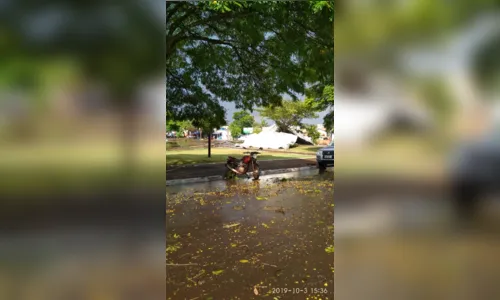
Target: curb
[(219, 177)]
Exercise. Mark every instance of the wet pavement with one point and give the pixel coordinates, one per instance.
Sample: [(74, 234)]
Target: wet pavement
[(218, 169), (401, 241), (245, 239)]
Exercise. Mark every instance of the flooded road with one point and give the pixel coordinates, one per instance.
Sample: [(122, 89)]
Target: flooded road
[(247, 239), (403, 242)]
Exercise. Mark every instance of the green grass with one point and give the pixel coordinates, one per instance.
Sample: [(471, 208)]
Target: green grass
[(306, 148), (184, 144), (195, 156), (181, 143)]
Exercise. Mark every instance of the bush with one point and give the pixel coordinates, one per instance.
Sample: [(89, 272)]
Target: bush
[(235, 130), (313, 133)]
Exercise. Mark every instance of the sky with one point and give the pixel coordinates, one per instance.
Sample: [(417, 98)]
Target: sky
[(230, 109)]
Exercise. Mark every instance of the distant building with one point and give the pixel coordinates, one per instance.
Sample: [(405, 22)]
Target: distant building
[(321, 130), (222, 134)]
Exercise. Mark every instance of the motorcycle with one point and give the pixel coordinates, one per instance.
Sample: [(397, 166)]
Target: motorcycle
[(242, 166)]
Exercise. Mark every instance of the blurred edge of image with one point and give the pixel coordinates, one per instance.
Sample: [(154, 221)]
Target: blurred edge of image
[(417, 149), (82, 101)]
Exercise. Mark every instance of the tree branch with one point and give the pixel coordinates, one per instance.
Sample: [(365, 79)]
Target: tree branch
[(243, 66), (209, 40), (181, 265), (178, 22), (176, 7), (171, 43), (218, 17)]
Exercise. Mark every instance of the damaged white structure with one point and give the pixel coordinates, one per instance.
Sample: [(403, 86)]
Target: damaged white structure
[(270, 138)]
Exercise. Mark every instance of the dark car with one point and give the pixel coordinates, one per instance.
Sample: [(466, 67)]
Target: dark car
[(325, 157), (474, 171)]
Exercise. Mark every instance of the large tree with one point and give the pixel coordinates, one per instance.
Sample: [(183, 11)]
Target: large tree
[(249, 53), (289, 114), (241, 119), (324, 102)]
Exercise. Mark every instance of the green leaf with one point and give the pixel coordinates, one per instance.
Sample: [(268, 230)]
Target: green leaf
[(202, 73), (217, 272)]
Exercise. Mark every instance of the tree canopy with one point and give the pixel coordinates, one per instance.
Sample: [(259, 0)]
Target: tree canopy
[(324, 102), (289, 114), (257, 126), (180, 126), (241, 119), (249, 53)]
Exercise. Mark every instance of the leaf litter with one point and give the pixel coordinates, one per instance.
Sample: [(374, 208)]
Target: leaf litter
[(252, 237)]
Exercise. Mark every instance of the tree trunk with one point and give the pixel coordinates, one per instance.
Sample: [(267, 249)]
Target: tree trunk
[(209, 144)]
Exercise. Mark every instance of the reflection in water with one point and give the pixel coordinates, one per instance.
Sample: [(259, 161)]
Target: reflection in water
[(226, 184)]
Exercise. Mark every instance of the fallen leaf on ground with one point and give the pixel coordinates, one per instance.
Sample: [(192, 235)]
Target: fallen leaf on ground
[(330, 249), (218, 272), (231, 225)]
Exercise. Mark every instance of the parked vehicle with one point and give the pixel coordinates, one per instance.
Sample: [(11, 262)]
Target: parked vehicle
[(325, 157), (243, 166), (474, 171)]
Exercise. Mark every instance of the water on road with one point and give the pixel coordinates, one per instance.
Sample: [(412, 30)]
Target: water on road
[(403, 242), (244, 239)]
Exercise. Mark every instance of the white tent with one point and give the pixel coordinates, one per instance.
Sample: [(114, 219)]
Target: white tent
[(270, 140), (272, 128), (294, 131)]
